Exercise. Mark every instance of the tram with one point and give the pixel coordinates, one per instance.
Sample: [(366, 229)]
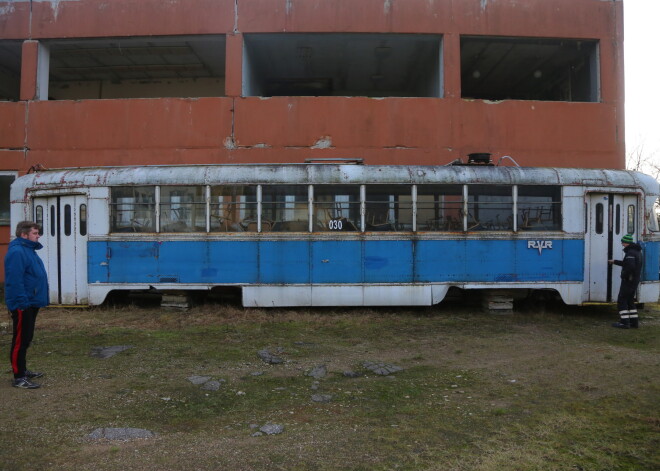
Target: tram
[(339, 233)]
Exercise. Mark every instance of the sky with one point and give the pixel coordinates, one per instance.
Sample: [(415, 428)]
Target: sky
[(642, 77)]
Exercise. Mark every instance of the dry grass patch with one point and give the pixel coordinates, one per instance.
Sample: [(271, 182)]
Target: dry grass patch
[(538, 390)]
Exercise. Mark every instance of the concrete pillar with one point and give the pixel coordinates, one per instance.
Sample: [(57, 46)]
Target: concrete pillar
[(35, 66), (451, 54), (29, 62), (234, 70)]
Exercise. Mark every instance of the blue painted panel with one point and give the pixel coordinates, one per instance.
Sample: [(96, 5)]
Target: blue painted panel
[(133, 261), (281, 262), (184, 262), (651, 269), (388, 261), (97, 262), (437, 260), (208, 262), (564, 261), (284, 262), (498, 260), (336, 261), (232, 262), (490, 260)]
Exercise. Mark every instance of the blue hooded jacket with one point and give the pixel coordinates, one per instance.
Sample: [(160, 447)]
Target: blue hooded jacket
[(26, 281)]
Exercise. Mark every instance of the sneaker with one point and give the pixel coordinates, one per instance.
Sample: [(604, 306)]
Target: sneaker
[(33, 374), (23, 383)]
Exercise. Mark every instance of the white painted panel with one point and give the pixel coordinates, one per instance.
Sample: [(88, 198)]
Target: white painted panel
[(337, 295), (570, 293), (597, 235), (648, 293), (97, 293), (439, 292), (398, 295), (64, 255), (274, 296), (573, 209), (73, 252), (49, 240)]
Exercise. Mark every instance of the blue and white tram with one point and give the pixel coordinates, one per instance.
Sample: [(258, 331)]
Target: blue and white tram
[(337, 234)]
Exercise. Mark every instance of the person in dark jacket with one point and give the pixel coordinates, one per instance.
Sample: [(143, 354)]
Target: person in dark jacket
[(26, 290), (631, 271)]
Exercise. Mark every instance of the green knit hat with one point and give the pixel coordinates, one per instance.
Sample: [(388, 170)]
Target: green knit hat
[(627, 239)]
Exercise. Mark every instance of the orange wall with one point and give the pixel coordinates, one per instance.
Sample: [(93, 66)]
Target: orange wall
[(291, 129)]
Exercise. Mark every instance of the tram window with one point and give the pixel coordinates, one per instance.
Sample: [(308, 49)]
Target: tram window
[(182, 209), (52, 220), (388, 208), (133, 209), (39, 218), (82, 214), (617, 219), (599, 218), (233, 208), (336, 208), (654, 217), (284, 208), (439, 207), (630, 229), (539, 208), (67, 219), (490, 208)]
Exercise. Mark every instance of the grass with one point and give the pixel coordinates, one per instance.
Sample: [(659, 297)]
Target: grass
[(552, 389)]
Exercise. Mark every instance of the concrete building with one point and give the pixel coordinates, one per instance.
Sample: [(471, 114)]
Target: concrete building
[(126, 82)]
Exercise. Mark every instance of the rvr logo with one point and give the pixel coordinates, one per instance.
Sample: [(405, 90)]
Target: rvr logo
[(539, 244)]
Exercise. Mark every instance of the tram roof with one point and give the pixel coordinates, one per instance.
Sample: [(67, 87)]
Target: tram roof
[(327, 174)]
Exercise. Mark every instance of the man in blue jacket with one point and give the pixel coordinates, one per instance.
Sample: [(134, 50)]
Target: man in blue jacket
[(26, 290)]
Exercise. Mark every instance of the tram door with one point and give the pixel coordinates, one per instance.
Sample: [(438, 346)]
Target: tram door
[(64, 222), (611, 216)]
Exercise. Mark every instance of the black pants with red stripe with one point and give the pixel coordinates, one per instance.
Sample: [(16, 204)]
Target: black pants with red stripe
[(24, 321)]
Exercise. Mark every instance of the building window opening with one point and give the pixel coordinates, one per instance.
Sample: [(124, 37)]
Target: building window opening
[(373, 65), (5, 184), (498, 68), (10, 70), (187, 66)]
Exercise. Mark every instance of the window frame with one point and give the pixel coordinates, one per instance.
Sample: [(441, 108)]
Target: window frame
[(411, 205)]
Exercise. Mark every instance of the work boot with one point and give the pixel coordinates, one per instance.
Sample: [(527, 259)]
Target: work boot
[(622, 324), (634, 322)]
